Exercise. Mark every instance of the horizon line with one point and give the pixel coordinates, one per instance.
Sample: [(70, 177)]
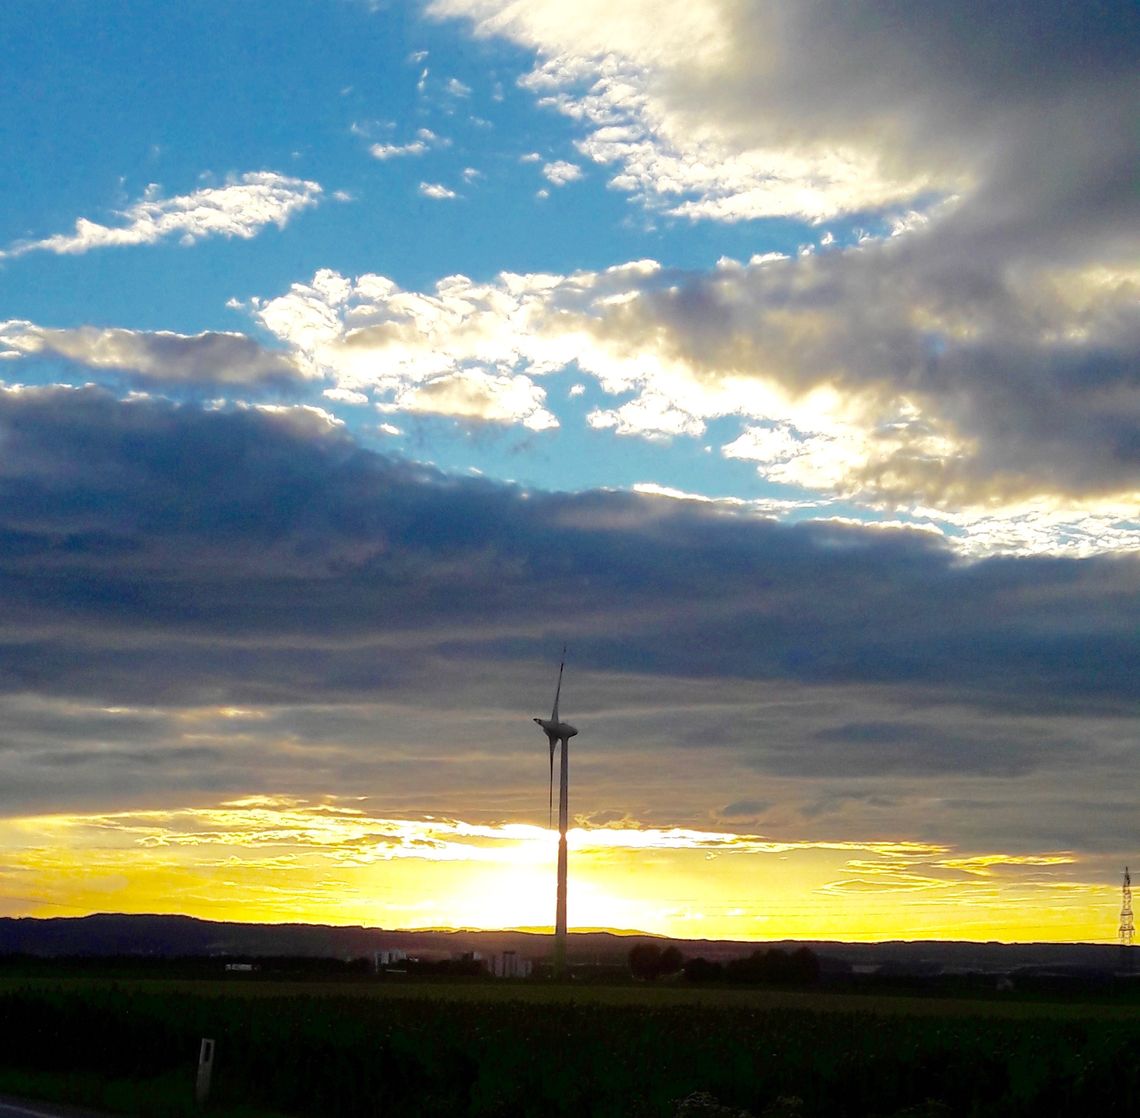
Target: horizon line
[(548, 930)]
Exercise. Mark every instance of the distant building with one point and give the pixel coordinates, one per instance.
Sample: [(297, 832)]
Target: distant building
[(381, 959), (242, 967), (510, 965)]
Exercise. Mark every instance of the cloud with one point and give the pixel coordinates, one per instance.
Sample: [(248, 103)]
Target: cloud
[(437, 190), (474, 394), (560, 172), (155, 357), (727, 109), (636, 105), (894, 382), (920, 748), (317, 858), (424, 142), (388, 151), (241, 208), (981, 360), (699, 175), (209, 515), (344, 833), (746, 808), (191, 595), (967, 344), (1002, 407), (451, 353)]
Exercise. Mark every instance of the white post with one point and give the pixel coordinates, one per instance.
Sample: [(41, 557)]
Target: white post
[(205, 1070)]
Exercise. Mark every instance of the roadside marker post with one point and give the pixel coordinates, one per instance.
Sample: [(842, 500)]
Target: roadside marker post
[(205, 1070)]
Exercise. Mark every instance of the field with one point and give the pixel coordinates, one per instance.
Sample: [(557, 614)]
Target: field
[(364, 1049)]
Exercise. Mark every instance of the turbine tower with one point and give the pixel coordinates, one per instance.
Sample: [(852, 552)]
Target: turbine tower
[(559, 733)]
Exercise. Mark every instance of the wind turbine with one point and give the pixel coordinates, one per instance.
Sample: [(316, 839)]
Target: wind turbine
[(559, 733)]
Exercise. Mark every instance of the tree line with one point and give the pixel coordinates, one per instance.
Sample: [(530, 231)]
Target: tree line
[(774, 966)]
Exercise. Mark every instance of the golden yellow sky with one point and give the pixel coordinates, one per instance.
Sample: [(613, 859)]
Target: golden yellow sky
[(281, 859)]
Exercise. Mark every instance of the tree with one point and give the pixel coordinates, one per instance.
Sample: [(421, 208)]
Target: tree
[(701, 970), (776, 967), (645, 961), (648, 961), (806, 963)]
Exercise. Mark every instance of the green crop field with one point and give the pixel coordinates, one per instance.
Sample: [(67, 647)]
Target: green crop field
[(636, 994), (360, 1050)]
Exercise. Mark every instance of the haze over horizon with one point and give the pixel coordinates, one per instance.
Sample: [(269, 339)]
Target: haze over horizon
[(782, 359)]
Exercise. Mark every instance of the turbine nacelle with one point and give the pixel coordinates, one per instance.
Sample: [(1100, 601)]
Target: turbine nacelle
[(556, 731)]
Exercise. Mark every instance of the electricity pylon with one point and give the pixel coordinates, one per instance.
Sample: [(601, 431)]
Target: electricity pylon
[(1127, 929)]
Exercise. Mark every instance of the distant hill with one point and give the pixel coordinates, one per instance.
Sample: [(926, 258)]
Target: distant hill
[(106, 934), (109, 934)]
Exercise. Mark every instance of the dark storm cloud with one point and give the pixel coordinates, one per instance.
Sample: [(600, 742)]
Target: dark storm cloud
[(154, 553)]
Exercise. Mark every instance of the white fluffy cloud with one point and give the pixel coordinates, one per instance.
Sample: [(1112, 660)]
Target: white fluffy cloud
[(477, 394), (699, 173), (241, 208), (560, 172), (437, 191), (643, 109), (453, 352), (390, 151), (425, 140)]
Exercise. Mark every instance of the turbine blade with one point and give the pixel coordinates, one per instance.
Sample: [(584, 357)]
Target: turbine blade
[(558, 689)]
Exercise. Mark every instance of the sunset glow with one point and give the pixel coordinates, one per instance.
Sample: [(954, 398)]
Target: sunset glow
[(271, 860)]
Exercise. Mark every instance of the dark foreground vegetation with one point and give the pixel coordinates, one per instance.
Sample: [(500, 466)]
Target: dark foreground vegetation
[(503, 1050), (771, 967)]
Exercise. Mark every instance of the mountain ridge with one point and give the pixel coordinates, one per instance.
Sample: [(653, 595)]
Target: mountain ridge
[(174, 935)]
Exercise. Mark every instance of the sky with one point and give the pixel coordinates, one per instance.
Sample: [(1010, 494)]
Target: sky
[(781, 359)]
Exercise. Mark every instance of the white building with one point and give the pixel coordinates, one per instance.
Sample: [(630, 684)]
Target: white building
[(510, 965)]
